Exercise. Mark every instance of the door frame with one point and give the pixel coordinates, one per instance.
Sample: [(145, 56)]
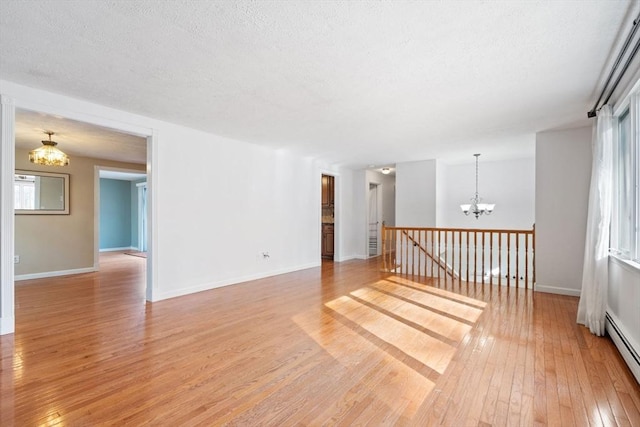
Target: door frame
[(47, 103), (96, 207), (378, 186), (337, 215), (142, 217)]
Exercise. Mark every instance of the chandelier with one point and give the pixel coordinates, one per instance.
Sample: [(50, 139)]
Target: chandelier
[(476, 207), (48, 154)]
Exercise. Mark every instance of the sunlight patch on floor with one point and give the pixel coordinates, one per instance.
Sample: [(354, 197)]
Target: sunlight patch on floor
[(413, 324), (430, 351), (444, 326), (438, 301), (394, 385)]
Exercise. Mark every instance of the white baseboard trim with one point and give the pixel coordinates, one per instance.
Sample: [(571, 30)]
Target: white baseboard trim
[(346, 258), (7, 325), (557, 290), (629, 350), (126, 248), (54, 273), (159, 296)]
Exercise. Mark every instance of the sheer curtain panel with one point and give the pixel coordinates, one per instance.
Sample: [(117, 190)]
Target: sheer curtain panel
[(593, 298)]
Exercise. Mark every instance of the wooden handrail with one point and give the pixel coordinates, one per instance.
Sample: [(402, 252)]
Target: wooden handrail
[(438, 261), (503, 254), (486, 230)]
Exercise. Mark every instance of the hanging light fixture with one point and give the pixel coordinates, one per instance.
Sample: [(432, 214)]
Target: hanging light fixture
[(48, 154), (476, 207)]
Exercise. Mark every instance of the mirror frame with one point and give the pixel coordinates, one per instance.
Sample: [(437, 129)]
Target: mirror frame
[(64, 176)]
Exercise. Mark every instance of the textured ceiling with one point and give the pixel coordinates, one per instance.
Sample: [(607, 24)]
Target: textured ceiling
[(367, 82)]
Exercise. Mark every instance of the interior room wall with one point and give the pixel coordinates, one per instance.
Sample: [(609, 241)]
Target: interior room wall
[(55, 244), (346, 236), (510, 184), (563, 174), (416, 194), (441, 194), (215, 226), (360, 215), (116, 198)]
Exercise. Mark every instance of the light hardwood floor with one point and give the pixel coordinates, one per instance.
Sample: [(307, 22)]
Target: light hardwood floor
[(339, 345)]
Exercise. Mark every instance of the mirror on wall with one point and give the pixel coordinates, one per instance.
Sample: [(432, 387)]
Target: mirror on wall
[(41, 193)]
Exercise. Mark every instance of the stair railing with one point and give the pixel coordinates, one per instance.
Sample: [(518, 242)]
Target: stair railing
[(472, 255)]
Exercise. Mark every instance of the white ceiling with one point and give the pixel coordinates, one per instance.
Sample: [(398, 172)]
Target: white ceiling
[(355, 83)]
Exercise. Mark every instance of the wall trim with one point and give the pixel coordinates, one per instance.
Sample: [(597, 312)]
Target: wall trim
[(629, 351), (7, 215), (346, 258), (7, 325), (55, 273), (234, 281), (557, 290), (125, 248)]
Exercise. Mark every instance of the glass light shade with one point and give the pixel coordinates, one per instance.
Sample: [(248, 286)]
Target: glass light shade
[(386, 171), (465, 209), (48, 155), (489, 207)]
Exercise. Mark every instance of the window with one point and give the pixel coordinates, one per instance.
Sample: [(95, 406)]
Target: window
[(625, 220), (24, 191)]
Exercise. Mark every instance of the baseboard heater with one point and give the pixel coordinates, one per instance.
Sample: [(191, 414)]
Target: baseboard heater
[(626, 349)]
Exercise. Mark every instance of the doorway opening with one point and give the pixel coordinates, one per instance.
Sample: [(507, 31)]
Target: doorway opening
[(121, 207), (85, 138), (374, 221), (328, 217)]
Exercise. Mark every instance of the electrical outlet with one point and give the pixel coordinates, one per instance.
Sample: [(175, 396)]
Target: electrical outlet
[(16, 259)]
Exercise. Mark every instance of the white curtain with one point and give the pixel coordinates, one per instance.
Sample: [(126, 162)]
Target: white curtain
[(595, 274)]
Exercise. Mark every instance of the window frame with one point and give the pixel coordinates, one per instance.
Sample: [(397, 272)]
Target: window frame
[(630, 109)]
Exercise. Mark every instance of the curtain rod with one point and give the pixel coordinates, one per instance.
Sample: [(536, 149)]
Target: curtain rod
[(632, 33)]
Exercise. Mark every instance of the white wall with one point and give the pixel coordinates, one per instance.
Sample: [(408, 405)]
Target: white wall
[(215, 224), (441, 194), (563, 174), (416, 194), (510, 184), (360, 213), (346, 236), (429, 193), (209, 224)]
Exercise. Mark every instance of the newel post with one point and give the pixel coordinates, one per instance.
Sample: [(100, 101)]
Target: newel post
[(384, 246)]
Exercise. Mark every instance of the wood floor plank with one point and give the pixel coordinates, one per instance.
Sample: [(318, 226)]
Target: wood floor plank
[(343, 344)]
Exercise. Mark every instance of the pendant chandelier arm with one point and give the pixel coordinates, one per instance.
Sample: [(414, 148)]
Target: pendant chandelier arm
[(476, 207)]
